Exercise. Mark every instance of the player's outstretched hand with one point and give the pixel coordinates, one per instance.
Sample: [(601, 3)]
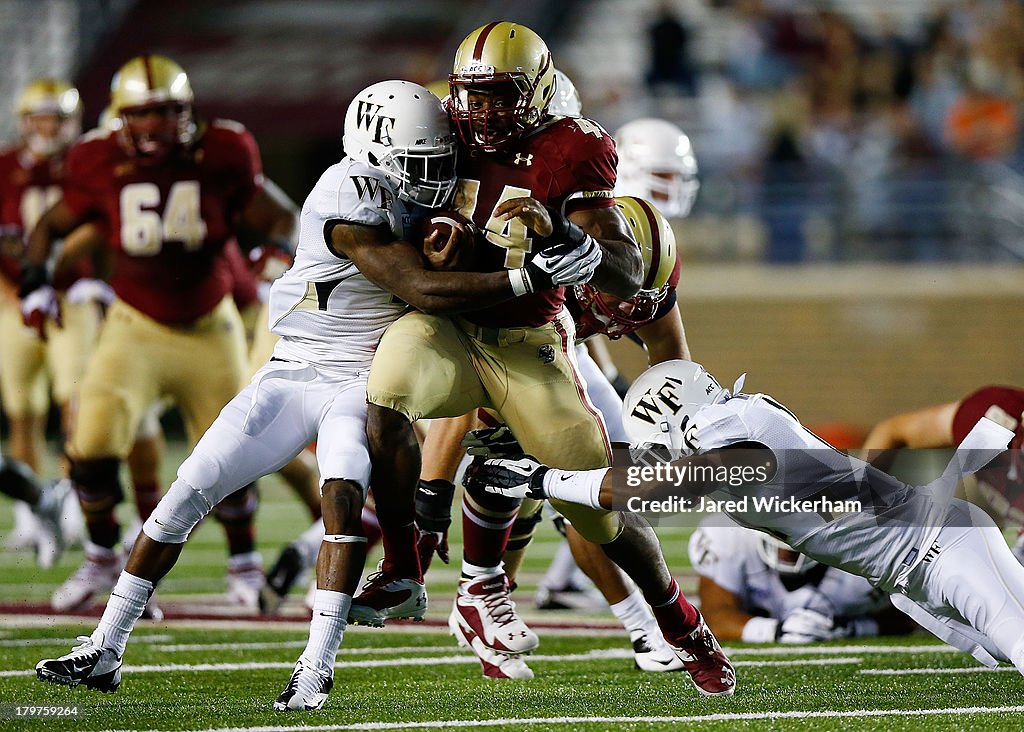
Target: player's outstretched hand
[(804, 625), (521, 477)]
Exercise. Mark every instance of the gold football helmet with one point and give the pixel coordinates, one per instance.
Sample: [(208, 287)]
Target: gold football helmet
[(153, 84), (501, 85), (653, 233), (49, 116)]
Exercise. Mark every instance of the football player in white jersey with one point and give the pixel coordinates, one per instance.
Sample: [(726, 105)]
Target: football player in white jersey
[(755, 588), (942, 559), (354, 273)]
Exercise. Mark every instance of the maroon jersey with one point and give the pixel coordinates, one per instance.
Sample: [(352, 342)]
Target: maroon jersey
[(569, 162), (168, 223), (1002, 482), (28, 187)]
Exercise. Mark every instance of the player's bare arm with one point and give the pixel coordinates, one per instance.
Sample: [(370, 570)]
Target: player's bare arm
[(665, 338), (273, 214), (733, 457), (724, 607), (621, 271), (57, 222), (398, 267)]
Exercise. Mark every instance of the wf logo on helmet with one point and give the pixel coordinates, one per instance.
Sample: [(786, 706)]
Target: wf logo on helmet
[(369, 118), (648, 406)]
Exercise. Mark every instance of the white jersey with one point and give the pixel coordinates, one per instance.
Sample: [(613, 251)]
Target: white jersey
[(324, 309), (883, 539), (728, 555)]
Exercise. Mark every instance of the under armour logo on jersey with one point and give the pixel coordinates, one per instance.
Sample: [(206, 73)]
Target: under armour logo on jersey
[(546, 354), (369, 118), (523, 159)]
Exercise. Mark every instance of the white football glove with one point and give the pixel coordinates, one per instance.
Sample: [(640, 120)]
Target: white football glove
[(557, 267), (39, 307), (804, 625), (522, 477), (90, 290)]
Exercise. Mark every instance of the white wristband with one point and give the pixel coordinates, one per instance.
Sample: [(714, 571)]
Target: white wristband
[(575, 486), (759, 630), (520, 281)]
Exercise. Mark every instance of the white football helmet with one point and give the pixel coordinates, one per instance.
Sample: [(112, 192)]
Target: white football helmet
[(566, 102), (401, 129), (660, 405), (656, 162), (783, 558)]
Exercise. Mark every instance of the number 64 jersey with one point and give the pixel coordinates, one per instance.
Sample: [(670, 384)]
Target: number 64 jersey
[(167, 222)]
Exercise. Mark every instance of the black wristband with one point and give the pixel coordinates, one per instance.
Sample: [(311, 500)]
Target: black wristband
[(434, 504), (563, 231), (33, 276)]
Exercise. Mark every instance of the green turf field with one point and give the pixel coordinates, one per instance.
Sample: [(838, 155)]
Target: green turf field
[(226, 674)]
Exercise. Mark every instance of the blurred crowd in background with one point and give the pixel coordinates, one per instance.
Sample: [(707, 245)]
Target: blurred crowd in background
[(847, 134)]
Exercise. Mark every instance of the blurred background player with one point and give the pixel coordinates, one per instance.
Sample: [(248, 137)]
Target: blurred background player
[(172, 190), (32, 363), (756, 589)]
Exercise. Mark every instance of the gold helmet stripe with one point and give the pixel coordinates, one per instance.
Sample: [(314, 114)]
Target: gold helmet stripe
[(478, 49)]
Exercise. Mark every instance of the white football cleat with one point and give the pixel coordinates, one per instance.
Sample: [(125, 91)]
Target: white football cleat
[(388, 597), (97, 667), (483, 608), (652, 653), (95, 576), (307, 689), (495, 665)]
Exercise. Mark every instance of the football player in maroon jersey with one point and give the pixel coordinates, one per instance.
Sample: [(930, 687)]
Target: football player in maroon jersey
[(172, 190), (528, 181), (49, 115)]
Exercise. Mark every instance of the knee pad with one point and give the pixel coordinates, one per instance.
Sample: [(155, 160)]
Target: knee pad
[(98, 483), (492, 503), (177, 514), (238, 507), (523, 529)]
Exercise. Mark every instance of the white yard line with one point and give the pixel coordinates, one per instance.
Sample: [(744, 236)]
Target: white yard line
[(725, 717), (595, 655), (914, 671)]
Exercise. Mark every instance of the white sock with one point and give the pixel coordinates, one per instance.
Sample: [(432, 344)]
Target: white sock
[(633, 612), (309, 542), (127, 601), (575, 486), (472, 571), (562, 569), (330, 615)]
